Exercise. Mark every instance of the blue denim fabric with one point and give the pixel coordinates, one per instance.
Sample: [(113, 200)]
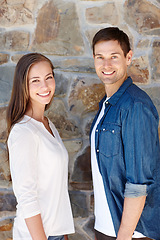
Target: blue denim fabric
[(56, 238), (128, 155)]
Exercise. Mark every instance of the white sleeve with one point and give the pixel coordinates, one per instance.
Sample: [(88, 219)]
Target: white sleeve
[(23, 150)]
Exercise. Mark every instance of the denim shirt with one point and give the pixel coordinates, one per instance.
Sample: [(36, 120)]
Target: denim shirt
[(128, 155)]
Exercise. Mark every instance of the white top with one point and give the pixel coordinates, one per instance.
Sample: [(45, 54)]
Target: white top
[(103, 219), (39, 170)]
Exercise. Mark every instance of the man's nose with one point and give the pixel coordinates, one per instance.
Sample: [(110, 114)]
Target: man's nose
[(106, 63)]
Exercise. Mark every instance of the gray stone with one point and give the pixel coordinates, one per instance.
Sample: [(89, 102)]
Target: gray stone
[(82, 168), (6, 79), (75, 65), (61, 84), (79, 204), (89, 227), (154, 93), (7, 201)]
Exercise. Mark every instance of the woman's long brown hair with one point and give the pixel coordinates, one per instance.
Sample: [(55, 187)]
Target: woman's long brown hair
[(20, 92)]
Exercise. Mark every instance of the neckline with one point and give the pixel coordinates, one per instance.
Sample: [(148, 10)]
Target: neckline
[(41, 123)]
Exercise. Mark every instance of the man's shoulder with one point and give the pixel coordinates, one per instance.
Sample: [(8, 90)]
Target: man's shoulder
[(138, 95), (135, 96)]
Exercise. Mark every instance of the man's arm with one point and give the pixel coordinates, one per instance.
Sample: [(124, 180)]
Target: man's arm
[(132, 210)]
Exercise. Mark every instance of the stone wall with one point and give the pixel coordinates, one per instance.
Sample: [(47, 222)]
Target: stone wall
[(63, 30)]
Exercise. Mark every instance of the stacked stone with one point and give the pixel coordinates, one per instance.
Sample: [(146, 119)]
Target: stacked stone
[(62, 30)]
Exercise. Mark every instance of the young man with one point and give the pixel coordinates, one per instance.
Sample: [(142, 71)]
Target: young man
[(125, 151)]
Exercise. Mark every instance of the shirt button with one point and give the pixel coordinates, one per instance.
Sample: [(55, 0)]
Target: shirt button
[(112, 131), (107, 102), (97, 150), (104, 129), (96, 130)]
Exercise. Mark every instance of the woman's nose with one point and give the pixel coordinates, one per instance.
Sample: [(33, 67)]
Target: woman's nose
[(44, 84)]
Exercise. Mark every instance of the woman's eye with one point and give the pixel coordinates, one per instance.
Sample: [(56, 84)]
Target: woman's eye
[(50, 77), (35, 80)]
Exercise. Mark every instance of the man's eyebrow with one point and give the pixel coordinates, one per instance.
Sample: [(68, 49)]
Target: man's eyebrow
[(114, 53), (98, 54)]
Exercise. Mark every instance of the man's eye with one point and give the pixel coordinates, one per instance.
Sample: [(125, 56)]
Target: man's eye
[(114, 57), (99, 57)]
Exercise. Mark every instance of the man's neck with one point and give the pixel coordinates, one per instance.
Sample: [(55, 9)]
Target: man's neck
[(110, 89)]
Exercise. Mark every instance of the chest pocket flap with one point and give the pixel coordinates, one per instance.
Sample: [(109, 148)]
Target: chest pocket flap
[(109, 139)]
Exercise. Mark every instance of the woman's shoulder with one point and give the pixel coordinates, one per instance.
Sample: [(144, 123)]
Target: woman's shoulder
[(24, 129)]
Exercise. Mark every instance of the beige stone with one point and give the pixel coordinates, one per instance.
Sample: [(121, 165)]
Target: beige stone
[(14, 41), (102, 14), (15, 58), (73, 146), (143, 44), (15, 2), (85, 96), (67, 128), (48, 21), (155, 61), (4, 58), (58, 34), (142, 15), (6, 227), (14, 13), (3, 125), (93, 0), (4, 164), (30, 5), (139, 70)]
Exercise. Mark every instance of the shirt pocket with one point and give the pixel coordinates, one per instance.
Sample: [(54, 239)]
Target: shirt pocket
[(109, 140)]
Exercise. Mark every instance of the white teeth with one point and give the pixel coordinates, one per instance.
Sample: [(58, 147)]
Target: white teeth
[(107, 73), (44, 94)]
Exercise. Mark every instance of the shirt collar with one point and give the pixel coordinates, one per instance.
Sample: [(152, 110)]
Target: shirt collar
[(116, 96)]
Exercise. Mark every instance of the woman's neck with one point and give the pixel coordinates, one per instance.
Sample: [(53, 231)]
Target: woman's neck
[(36, 113)]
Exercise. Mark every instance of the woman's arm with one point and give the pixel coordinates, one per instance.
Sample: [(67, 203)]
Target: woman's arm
[(35, 227)]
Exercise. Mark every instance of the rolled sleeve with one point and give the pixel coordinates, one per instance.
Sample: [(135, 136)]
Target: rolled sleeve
[(135, 190), (22, 147)]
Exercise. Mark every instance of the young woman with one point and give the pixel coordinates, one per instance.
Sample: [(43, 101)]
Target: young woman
[(38, 158)]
